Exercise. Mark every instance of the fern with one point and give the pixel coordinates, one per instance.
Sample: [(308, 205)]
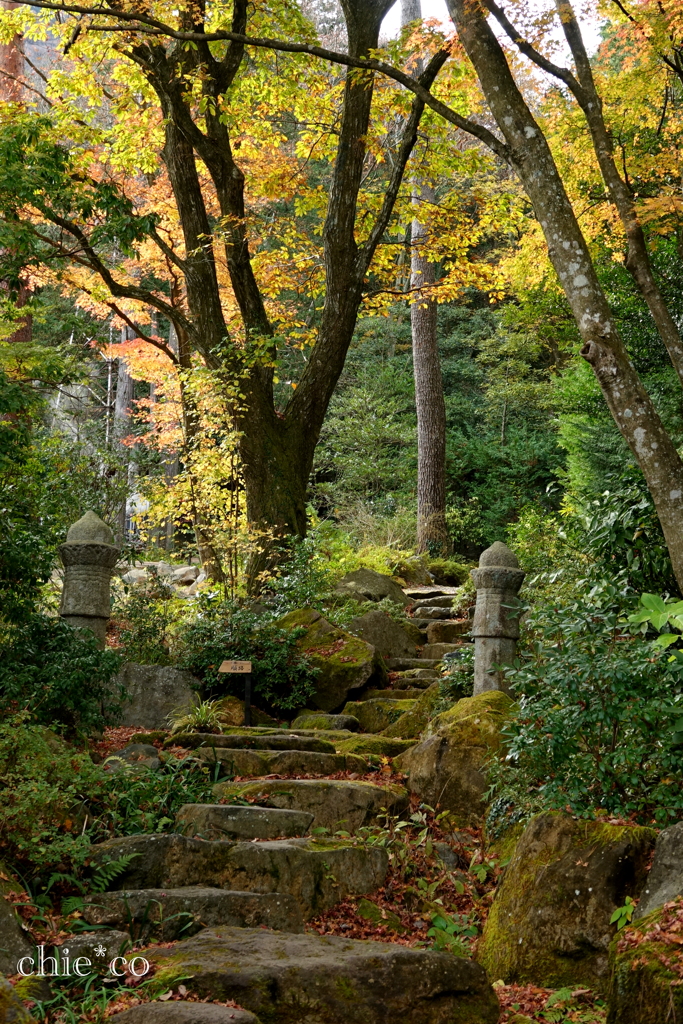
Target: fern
[(107, 872)]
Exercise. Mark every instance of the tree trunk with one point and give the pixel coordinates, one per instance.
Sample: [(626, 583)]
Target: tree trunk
[(627, 399), (125, 393), (432, 532)]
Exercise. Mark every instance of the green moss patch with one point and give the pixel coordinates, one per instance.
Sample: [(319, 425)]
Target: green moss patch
[(415, 720)]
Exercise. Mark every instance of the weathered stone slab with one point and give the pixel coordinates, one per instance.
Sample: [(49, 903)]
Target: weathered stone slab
[(447, 632), (311, 720), (665, 880), (403, 664), (432, 601), (385, 635), (283, 739), (334, 803), (154, 692), (318, 874), (232, 821), (182, 1012), (113, 941), (326, 979), (344, 662), (427, 612), (376, 715), (438, 652), (168, 914), (280, 762), (549, 923), (381, 746)]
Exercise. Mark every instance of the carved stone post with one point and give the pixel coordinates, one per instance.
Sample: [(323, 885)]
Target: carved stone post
[(89, 556), (495, 627)]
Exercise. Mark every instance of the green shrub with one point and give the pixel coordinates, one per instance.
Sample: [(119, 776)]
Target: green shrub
[(304, 578), (448, 572), (44, 790), (58, 674), (147, 611), (598, 709), (282, 677)]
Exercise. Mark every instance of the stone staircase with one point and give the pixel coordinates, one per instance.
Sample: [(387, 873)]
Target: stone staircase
[(235, 883)]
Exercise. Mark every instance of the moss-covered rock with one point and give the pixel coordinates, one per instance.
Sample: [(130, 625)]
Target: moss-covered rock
[(646, 969), (414, 721), (327, 979), (311, 720), (549, 923), (344, 662), (380, 746), (375, 715), (280, 762), (12, 1009), (446, 768)]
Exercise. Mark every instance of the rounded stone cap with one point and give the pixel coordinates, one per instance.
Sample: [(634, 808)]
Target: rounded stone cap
[(90, 530), (498, 554)]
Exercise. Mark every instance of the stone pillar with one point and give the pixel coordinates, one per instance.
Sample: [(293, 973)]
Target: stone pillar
[(496, 625), (89, 556)]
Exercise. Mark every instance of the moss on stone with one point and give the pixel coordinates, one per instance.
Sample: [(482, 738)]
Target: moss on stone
[(412, 723), (645, 975), (376, 715), (478, 720), (549, 923), (380, 746), (344, 661)]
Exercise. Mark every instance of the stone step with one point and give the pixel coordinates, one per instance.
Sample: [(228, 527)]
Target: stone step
[(334, 803), (401, 664), (402, 693), (320, 720), (280, 762), (366, 744), (318, 873), (433, 601), (291, 978), (427, 613), (376, 715), (440, 632), (419, 673), (401, 685), (284, 739), (231, 821), (168, 914), (440, 650), (182, 1012), (424, 592)]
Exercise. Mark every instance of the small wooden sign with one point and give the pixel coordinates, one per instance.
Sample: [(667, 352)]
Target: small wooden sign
[(236, 667)]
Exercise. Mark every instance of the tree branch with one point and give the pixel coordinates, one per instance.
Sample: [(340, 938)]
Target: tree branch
[(151, 26)]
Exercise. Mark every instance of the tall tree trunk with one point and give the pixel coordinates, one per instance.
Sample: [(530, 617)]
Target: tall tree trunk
[(529, 154), (432, 532), (123, 406)]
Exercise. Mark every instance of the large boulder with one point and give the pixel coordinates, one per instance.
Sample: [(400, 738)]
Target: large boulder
[(646, 967), (549, 923), (14, 941), (369, 585), (665, 880), (327, 979), (334, 803), (344, 662), (386, 635), (317, 873), (154, 691), (446, 769)]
